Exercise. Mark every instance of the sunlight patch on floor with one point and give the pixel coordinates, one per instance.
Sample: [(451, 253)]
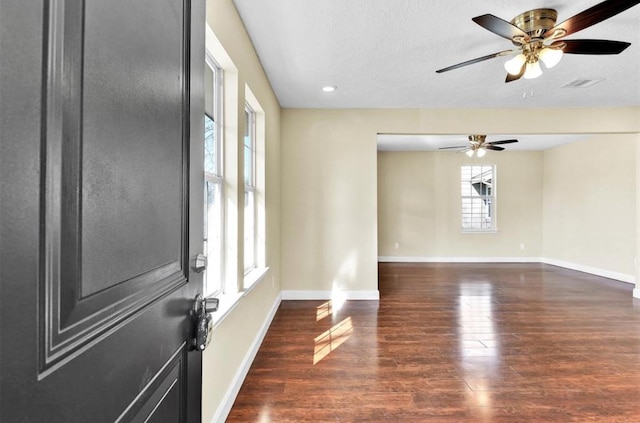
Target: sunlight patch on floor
[(332, 339), (324, 310), (332, 306), (265, 415)]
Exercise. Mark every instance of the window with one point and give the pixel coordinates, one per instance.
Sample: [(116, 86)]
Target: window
[(213, 180), (249, 189), (478, 198)]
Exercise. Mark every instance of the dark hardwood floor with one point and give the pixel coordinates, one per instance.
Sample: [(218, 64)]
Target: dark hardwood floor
[(454, 343)]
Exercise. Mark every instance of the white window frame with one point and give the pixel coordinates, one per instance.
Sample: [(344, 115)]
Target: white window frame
[(250, 186), (217, 178), (488, 201)]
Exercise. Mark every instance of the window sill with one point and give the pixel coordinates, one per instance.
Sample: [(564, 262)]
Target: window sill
[(252, 278), (229, 301), (479, 231)]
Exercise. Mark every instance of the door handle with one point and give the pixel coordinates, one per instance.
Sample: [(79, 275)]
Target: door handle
[(200, 264), (202, 308)]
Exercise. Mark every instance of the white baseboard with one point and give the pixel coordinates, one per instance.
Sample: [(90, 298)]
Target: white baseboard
[(415, 259), (227, 402), (636, 293), (328, 295), (622, 277)]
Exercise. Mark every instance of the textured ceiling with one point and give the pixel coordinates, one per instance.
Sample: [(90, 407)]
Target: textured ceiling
[(529, 142), (384, 53)]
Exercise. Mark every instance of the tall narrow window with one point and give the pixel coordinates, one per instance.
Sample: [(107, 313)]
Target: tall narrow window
[(249, 189), (213, 179), (478, 198)]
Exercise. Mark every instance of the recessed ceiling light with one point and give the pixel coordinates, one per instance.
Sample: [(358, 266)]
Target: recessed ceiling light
[(329, 88)]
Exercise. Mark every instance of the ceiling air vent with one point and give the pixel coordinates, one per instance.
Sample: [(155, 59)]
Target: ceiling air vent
[(582, 83)]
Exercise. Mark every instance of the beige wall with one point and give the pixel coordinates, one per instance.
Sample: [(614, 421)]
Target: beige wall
[(233, 338), (329, 178), (419, 206), (572, 205), (329, 210), (589, 203), (321, 182)]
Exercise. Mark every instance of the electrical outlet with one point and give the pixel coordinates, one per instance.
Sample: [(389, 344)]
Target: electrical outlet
[(522, 246), (396, 245)]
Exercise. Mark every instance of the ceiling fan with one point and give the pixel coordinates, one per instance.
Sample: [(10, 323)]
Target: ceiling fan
[(537, 38), (479, 146)]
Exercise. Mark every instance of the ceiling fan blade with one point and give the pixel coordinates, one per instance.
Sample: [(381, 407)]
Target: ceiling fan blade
[(511, 78), (500, 27), (478, 60), (493, 147), (500, 142), (592, 16), (593, 46), (457, 146)]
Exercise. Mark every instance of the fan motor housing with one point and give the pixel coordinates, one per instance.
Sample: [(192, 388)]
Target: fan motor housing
[(477, 139), (536, 22)]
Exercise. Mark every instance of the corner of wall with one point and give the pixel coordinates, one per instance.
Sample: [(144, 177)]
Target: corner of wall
[(229, 398)]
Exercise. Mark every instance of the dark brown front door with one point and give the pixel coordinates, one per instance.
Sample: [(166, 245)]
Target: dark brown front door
[(101, 112)]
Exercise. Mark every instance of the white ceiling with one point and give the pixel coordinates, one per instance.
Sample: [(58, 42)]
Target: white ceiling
[(384, 54), (529, 142)]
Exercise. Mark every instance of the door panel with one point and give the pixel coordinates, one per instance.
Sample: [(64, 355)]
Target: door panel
[(116, 201), (161, 399), (143, 106), (99, 221)]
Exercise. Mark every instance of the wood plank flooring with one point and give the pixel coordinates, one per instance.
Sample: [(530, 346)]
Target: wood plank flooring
[(454, 343)]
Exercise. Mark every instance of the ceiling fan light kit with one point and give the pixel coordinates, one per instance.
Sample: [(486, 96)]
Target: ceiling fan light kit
[(532, 70), (550, 56), (535, 35), (535, 23), (514, 66), (478, 146)]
